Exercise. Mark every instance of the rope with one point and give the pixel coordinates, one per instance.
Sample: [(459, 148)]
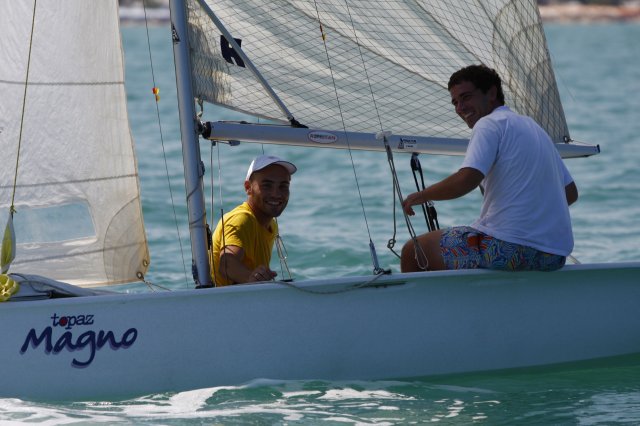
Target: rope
[(396, 184), (282, 255), (420, 257), (7, 254), (153, 286), (357, 286), (213, 272), (428, 209), (344, 127), (156, 92), (24, 105), (392, 168)]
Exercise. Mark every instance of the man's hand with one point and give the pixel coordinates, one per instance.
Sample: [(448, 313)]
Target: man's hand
[(261, 273), (412, 200), (456, 185), (232, 268)]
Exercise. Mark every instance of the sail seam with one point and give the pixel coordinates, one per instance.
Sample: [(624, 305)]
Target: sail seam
[(376, 54), (70, 182), (84, 253), (95, 83), (460, 43)]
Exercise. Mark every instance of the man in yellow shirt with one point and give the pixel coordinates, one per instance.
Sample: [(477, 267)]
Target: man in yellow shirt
[(243, 239)]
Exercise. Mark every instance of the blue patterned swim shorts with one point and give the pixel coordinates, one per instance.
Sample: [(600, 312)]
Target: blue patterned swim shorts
[(464, 247)]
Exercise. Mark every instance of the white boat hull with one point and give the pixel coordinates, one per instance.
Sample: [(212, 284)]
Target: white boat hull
[(407, 325)]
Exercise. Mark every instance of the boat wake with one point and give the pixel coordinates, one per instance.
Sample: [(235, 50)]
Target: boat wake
[(525, 398)]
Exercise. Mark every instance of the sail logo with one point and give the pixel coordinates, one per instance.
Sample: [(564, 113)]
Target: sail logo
[(407, 143), (229, 53), (174, 34), (322, 137), (85, 343)]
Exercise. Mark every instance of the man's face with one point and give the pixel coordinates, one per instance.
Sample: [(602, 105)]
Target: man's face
[(470, 103), (268, 191)]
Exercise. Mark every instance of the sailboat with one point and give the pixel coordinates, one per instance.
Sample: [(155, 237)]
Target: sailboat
[(355, 75)]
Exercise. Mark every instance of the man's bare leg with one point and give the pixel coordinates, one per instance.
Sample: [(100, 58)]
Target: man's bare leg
[(413, 261)]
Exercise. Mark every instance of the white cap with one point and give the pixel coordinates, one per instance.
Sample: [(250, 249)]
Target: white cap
[(263, 161)]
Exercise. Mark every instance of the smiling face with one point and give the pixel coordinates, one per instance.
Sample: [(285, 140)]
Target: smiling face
[(471, 104), (268, 192)]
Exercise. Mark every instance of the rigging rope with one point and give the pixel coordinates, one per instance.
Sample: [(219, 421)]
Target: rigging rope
[(346, 289), (155, 92), (419, 255), (428, 209), (8, 286), (374, 259), (214, 273), (8, 250), (280, 247), (24, 104), (396, 185), (282, 255), (211, 185)]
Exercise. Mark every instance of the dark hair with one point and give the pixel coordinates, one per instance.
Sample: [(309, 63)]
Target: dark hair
[(481, 76)]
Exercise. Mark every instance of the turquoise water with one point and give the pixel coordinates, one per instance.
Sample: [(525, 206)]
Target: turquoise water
[(598, 69)]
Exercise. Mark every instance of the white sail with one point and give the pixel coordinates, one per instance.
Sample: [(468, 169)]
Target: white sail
[(385, 64), (79, 216)]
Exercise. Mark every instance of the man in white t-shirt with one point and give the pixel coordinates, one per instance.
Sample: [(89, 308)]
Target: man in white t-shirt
[(524, 223)]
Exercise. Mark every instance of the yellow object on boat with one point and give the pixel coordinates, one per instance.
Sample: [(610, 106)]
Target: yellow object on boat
[(8, 287), (8, 252)]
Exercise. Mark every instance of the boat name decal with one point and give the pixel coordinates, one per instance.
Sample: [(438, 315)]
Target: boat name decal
[(322, 137), (91, 339), (69, 321)]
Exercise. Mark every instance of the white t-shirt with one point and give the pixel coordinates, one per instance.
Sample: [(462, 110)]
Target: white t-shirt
[(524, 182)]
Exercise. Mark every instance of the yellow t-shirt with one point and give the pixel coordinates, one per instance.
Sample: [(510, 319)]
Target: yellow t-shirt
[(241, 229)]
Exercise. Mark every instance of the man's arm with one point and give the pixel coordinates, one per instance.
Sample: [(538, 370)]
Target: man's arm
[(456, 185), (232, 268), (571, 192)]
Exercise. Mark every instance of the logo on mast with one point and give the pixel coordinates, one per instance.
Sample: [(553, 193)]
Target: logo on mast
[(174, 34), (407, 143)]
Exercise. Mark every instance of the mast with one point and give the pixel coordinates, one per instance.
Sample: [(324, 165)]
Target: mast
[(193, 169)]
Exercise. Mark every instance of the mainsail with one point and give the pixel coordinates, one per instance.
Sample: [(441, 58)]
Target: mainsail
[(369, 65), (76, 191)]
